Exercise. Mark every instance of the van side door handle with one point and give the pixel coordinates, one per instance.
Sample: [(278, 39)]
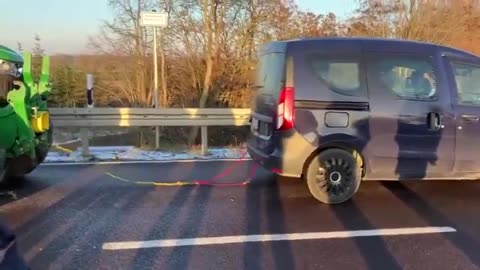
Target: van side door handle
[(434, 121), (470, 118)]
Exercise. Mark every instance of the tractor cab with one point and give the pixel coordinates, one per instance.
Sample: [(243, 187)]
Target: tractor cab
[(25, 136), (10, 70)]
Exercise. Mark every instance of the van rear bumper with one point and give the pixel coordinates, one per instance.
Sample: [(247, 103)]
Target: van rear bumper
[(270, 162), (287, 161)]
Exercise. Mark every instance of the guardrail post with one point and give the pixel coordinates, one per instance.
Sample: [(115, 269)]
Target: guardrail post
[(204, 137), (84, 141), (157, 137)]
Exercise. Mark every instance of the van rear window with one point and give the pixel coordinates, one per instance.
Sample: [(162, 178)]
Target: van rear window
[(271, 73), (341, 75)]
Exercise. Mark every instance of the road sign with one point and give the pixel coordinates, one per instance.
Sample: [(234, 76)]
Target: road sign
[(149, 18)]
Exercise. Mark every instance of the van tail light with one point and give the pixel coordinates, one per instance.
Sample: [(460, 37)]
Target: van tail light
[(285, 109)]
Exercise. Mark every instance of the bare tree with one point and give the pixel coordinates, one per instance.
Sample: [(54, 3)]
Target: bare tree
[(38, 49), (442, 22), (125, 37), (209, 49), (19, 46)]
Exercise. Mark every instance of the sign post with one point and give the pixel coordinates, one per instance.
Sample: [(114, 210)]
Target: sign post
[(154, 19)]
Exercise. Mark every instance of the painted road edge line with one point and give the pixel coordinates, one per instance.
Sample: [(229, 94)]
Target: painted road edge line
[(272, 237), (141, 162)]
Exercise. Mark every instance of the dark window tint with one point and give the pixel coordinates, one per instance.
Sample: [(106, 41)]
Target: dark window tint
[(271, 73), (340, 75), (407, 77), (467, 78)]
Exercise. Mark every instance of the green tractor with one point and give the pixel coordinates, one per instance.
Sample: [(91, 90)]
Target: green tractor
[(25, 131)]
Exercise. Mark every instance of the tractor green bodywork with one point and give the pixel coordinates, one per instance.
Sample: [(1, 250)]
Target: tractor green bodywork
[(25, 132)]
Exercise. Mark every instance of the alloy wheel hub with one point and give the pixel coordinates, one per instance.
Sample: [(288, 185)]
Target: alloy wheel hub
[(335, 177)]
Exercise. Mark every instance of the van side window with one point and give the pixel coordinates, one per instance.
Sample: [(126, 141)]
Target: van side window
[(340, 75), (467, 78), (407, 77)]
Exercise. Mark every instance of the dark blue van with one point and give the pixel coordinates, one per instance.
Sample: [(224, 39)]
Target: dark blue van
[(336, 111)]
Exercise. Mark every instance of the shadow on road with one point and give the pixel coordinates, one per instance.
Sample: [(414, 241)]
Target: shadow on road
[(96, 229), (39, 224), (282, 250), (21, 187), (373, 249), (88, 208), (179, 257), (252, 252), (84, 225), (266, 196), (462, 240), (42, 178), (190, 229), (146, 257)]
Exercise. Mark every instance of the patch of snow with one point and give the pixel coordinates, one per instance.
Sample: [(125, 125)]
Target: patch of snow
[(130, 153)]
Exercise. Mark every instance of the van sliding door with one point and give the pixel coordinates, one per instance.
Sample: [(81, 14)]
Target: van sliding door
[(412, 128)]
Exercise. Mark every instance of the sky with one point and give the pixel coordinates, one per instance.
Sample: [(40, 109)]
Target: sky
[(65, 25)]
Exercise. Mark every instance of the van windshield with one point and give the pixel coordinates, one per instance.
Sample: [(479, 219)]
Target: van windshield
[(270, 73)]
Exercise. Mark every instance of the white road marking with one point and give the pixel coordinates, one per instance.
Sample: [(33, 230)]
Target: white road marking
[(139, 162), (271, 237)]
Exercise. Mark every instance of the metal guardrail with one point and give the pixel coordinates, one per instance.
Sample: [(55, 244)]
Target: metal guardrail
[(86, 118)]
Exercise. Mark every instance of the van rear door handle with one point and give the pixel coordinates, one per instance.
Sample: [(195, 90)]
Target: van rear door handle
[(471, 118)]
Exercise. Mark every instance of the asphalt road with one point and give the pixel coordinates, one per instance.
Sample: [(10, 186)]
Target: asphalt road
[(64, 214)]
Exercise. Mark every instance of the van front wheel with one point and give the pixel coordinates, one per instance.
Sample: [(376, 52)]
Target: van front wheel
[(333, 176)]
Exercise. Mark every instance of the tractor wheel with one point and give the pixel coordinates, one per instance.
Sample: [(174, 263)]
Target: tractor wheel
[(17, 168), (3, 165)]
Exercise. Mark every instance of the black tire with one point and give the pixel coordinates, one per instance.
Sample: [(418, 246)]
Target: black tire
[(20, 166), (3, 166), (334, 176), (17, 168)]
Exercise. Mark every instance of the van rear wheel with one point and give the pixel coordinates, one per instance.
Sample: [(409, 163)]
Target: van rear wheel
[(334, 176)]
